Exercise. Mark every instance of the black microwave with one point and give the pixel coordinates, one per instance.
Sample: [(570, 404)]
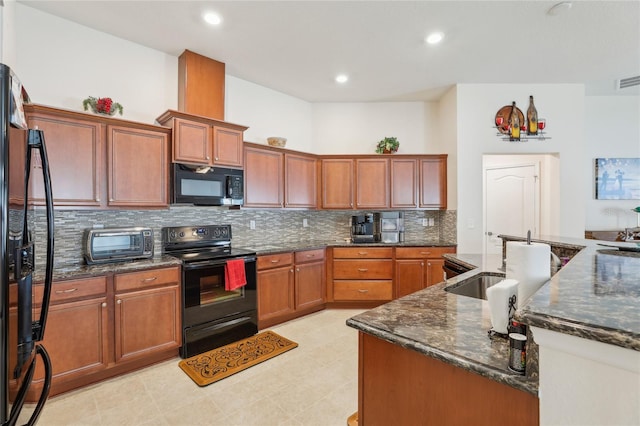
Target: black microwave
[(207, 186)]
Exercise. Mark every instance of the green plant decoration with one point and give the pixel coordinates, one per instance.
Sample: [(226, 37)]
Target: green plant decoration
[(388, 145)]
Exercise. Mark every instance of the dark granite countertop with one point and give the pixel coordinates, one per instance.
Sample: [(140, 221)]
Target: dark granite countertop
[(266, 248), (594, 296), (448, 327), (81, 270)]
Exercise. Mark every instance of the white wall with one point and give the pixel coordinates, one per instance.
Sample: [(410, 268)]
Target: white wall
[(268, 113), (613, 130), (356, 128), (562, 106), (61, 63)]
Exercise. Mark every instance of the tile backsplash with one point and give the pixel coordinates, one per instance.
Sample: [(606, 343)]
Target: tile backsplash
[(271, 226)]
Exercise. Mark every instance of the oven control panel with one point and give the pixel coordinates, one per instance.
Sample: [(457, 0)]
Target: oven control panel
[(190, 234)]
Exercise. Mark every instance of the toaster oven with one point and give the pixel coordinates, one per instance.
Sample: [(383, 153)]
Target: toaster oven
[(103, 245)]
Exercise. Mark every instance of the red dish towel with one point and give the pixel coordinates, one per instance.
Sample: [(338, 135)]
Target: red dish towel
[(234, 276)]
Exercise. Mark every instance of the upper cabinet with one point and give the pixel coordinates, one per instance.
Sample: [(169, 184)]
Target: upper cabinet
[(201, 85), (433, 182), (384, 182), (276, 178), (202, 140), (95, 160), (337, 183)]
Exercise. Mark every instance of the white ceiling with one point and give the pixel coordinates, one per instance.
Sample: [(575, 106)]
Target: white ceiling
[(298, 47)]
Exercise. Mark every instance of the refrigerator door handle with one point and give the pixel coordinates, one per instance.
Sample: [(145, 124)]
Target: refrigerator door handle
[(22, 392), (35, 140)]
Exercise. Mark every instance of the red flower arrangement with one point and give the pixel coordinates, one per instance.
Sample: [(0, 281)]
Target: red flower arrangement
[(102, 105)]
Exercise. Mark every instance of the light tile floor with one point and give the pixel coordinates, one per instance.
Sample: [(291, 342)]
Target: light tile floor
[(314, 384)]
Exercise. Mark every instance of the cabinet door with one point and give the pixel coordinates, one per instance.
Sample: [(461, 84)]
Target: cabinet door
[(372, 180), (263, 178), (227, 147), (435, 273), (309, 285), (275, 293), (300, 181), (433, 182), (337, 183), (75, 152), (138, 173), (76, 339), (147, 321), (410, 276), (191, 142), (404, 183)]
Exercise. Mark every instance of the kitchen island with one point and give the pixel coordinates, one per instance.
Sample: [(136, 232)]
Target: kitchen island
[(594, 298)]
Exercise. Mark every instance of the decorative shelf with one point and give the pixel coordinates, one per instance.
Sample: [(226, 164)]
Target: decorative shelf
[(541, 136)]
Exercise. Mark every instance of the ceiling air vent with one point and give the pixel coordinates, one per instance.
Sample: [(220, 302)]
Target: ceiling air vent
[(623, 83)]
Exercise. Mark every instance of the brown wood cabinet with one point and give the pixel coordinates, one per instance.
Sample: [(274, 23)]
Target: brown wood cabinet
[(362, 274), (202, 140), (300, 181), (147, 301), (263, 179), (418, 267), (400, 386), (132, 182), (337, 183), (103, 326), (404, 183), (95, 161), (372, 183), (433, 182), (290, 285), (75, 149), (278, 178), (201, 85)]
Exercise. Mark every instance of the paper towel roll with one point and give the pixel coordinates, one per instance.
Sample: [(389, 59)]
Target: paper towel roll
[(530, 265), (498, 297)]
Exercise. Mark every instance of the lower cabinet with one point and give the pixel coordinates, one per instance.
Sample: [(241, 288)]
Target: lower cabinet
[(103, 326), (418, 267), (362, 274), (289, 285), (147, 313)]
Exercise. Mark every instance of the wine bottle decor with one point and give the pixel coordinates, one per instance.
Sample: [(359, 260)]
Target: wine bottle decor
[(514, 123), (532, 118)]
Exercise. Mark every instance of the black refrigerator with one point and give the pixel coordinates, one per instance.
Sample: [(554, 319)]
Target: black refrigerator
[(23, 319)]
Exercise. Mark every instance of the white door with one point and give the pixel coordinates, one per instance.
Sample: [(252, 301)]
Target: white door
[(511, 203)]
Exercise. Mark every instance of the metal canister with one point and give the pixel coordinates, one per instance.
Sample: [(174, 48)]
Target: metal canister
[(517, 352)]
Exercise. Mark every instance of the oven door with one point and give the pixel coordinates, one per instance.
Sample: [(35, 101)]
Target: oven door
[(204, 296)]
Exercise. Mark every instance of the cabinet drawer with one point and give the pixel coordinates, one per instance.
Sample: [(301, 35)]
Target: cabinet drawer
[(363, 253), (309, 255), (362, 290), (62, 291), (149, 278), (362, 269), (274, 260), (422, 252)]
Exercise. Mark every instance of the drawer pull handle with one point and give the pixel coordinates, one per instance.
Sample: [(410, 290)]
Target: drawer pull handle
[(363, 253), (363, 290), (311, 255), (119, 302), (275, 261), (147, 280), (69, 290), (104, 304), (362, 269), (425, 252)]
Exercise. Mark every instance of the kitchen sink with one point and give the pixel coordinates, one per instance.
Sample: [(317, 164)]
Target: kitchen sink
[(475, 286)]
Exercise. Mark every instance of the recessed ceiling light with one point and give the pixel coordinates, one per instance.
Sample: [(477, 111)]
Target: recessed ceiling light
[(559, 8), (434, 38), (342, 78), (212, 18)]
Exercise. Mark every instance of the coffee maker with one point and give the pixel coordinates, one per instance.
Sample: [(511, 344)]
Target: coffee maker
[(389, 227), (362, 228)]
